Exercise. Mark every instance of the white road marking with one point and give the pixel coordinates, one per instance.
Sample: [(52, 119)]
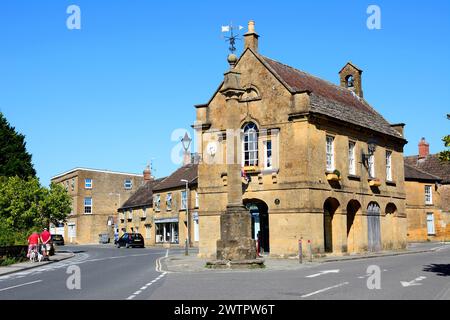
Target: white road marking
[(20, 285), (413, 282), (145, 287), (323, 290), (167, 253), (322, 272)]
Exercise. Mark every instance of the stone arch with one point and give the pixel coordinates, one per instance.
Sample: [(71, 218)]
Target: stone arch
[(390, 225), (373, 227), (329, 209), (353, 225), (260, 222)]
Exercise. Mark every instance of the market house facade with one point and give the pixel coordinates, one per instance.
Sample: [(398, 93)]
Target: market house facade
[(319, 163)]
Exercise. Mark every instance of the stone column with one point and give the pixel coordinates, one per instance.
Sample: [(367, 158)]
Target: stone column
[(236, 243)]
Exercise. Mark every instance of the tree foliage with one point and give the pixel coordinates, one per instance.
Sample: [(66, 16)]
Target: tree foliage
[(445, 155), (14, 158), (26, 206)]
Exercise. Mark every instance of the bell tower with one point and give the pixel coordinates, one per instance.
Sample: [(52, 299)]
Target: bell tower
[(350, 78)]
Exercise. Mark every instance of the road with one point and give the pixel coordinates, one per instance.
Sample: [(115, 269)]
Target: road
[(105, 273), (120, 274)]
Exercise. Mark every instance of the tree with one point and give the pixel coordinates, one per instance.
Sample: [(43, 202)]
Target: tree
[(14, 158), (445, 155), (26, 206)]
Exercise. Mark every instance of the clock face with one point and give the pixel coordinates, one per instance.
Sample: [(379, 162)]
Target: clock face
[(211, 148)]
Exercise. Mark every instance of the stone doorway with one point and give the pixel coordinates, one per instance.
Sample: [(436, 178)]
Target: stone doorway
[(260, 222), (353, 207), (329, 208)]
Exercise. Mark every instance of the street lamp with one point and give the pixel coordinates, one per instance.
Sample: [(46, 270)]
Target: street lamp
[(186, 252), (186, 142)]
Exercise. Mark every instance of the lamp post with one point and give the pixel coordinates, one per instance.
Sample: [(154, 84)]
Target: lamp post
[(187, 217), (186, 142)]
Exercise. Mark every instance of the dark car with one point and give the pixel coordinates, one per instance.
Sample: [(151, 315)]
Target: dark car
[(58, 239), (128, 240)]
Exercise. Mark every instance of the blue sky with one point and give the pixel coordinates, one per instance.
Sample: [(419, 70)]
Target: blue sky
[(110, 95)]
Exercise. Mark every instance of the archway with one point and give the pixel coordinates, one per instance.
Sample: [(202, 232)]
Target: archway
[(352, 209), (329, 208), (260, 222), (373, 227), (390, 225)]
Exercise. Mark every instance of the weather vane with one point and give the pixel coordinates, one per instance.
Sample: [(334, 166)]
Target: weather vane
[(233, 37)]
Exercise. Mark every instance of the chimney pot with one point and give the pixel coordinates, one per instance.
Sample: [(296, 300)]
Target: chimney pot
[(251, 37)]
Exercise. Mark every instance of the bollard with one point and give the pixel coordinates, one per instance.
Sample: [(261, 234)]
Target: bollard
[(300, 251), (310, 250), (186, 249)]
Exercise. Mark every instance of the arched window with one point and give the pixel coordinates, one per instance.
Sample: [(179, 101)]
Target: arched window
[(350, 81), (250, 145)]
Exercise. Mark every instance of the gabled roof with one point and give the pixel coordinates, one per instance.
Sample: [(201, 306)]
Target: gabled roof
[(414, 174), (326, 98), (330, 99), (143, 197), (432, 165), (188, 172)]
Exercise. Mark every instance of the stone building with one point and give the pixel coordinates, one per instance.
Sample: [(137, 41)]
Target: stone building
[(136, 214), (96, 195), (427, 184), (318, 162), (174, 205), (157, 210)]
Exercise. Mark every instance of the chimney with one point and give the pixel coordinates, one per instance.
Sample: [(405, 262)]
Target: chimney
[(424, 149), (251, 37), (147, 174)]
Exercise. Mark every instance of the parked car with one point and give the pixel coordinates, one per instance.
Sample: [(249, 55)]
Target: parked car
[(128, 240), (58, 239)]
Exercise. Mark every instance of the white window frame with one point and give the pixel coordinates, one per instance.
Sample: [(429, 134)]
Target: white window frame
[(431, 230), (268, 159), (86, 184), (428, 195), (388, 165), (330, 153), (371, 165), (196, 199), (183, 204), (73, 184), (90, 206), (196, 230), (130, 214), (351, 158), (128, 184), (144, 212), (169, 201), (251, 135), (157, 202)]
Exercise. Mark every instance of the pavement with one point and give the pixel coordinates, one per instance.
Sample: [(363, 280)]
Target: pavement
[(191, 263), (17, 267)]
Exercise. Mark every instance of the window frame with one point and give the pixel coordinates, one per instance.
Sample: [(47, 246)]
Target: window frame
[(91, 183), (130, 183), (169, 201), (157, 202), (91, 206), (433, 228), (352, 158), (389, 165), (268, 158), (371, 166), (251, 137), (183, 202), (329, 154), (429, 196)]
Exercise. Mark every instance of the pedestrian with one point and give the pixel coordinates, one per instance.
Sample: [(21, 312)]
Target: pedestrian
[(33, 242), (46, 245)]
